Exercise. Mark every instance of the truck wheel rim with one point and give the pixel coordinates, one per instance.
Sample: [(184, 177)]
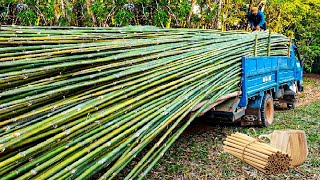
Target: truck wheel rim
[(269, 112)]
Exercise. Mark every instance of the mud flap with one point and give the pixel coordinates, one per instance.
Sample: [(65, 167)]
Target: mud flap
[(252, 115)]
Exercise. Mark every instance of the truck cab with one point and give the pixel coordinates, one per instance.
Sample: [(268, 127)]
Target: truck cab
[(265, 81)]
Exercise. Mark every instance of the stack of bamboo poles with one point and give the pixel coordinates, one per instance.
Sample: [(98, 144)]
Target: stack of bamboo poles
[(262, 156), (75, 101)]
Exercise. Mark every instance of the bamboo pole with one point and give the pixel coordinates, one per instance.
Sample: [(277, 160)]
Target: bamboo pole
[(256, 45), (290, 43), (269, 44)]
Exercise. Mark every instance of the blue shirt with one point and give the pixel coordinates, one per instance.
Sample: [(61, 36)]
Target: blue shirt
[(257, 20)]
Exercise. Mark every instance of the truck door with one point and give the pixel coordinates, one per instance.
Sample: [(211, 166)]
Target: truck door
[(298, 68)]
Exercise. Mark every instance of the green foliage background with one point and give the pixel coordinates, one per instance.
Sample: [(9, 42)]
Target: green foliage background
[(302, 17)]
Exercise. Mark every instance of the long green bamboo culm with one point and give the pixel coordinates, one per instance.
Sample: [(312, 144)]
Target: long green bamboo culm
[(80, 101)]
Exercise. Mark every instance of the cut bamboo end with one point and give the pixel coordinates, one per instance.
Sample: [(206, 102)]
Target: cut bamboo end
[(261, 156)]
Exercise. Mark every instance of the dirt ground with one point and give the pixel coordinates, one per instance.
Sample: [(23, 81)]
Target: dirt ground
[(311, 91)]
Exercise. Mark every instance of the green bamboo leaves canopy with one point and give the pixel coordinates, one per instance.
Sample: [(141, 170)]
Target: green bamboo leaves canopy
[(77, 101)]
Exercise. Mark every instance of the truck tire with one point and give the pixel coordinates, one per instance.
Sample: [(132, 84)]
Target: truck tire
[(267, 110)]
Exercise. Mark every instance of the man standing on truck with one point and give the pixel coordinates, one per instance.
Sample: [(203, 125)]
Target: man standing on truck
[(257, 20)]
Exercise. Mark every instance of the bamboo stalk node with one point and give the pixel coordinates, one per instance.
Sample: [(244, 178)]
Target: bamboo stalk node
[(2, 148)]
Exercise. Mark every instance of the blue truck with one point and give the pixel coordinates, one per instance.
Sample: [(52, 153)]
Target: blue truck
[(266, 81)]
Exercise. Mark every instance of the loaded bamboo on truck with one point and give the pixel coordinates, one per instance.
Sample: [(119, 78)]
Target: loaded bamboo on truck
[(75, 101)]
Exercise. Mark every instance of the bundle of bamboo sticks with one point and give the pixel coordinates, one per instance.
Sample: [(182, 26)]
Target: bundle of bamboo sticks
[(260, 155)]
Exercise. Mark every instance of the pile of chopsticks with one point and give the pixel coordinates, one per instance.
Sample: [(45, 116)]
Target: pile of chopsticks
[(260, 155)]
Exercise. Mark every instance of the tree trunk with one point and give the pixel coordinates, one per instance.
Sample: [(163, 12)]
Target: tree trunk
[(262, 4), (63, 11), (225, 14), (219, 23), (90, 13), (57, 13), (193, 3), (210, 24), (250, 5)]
